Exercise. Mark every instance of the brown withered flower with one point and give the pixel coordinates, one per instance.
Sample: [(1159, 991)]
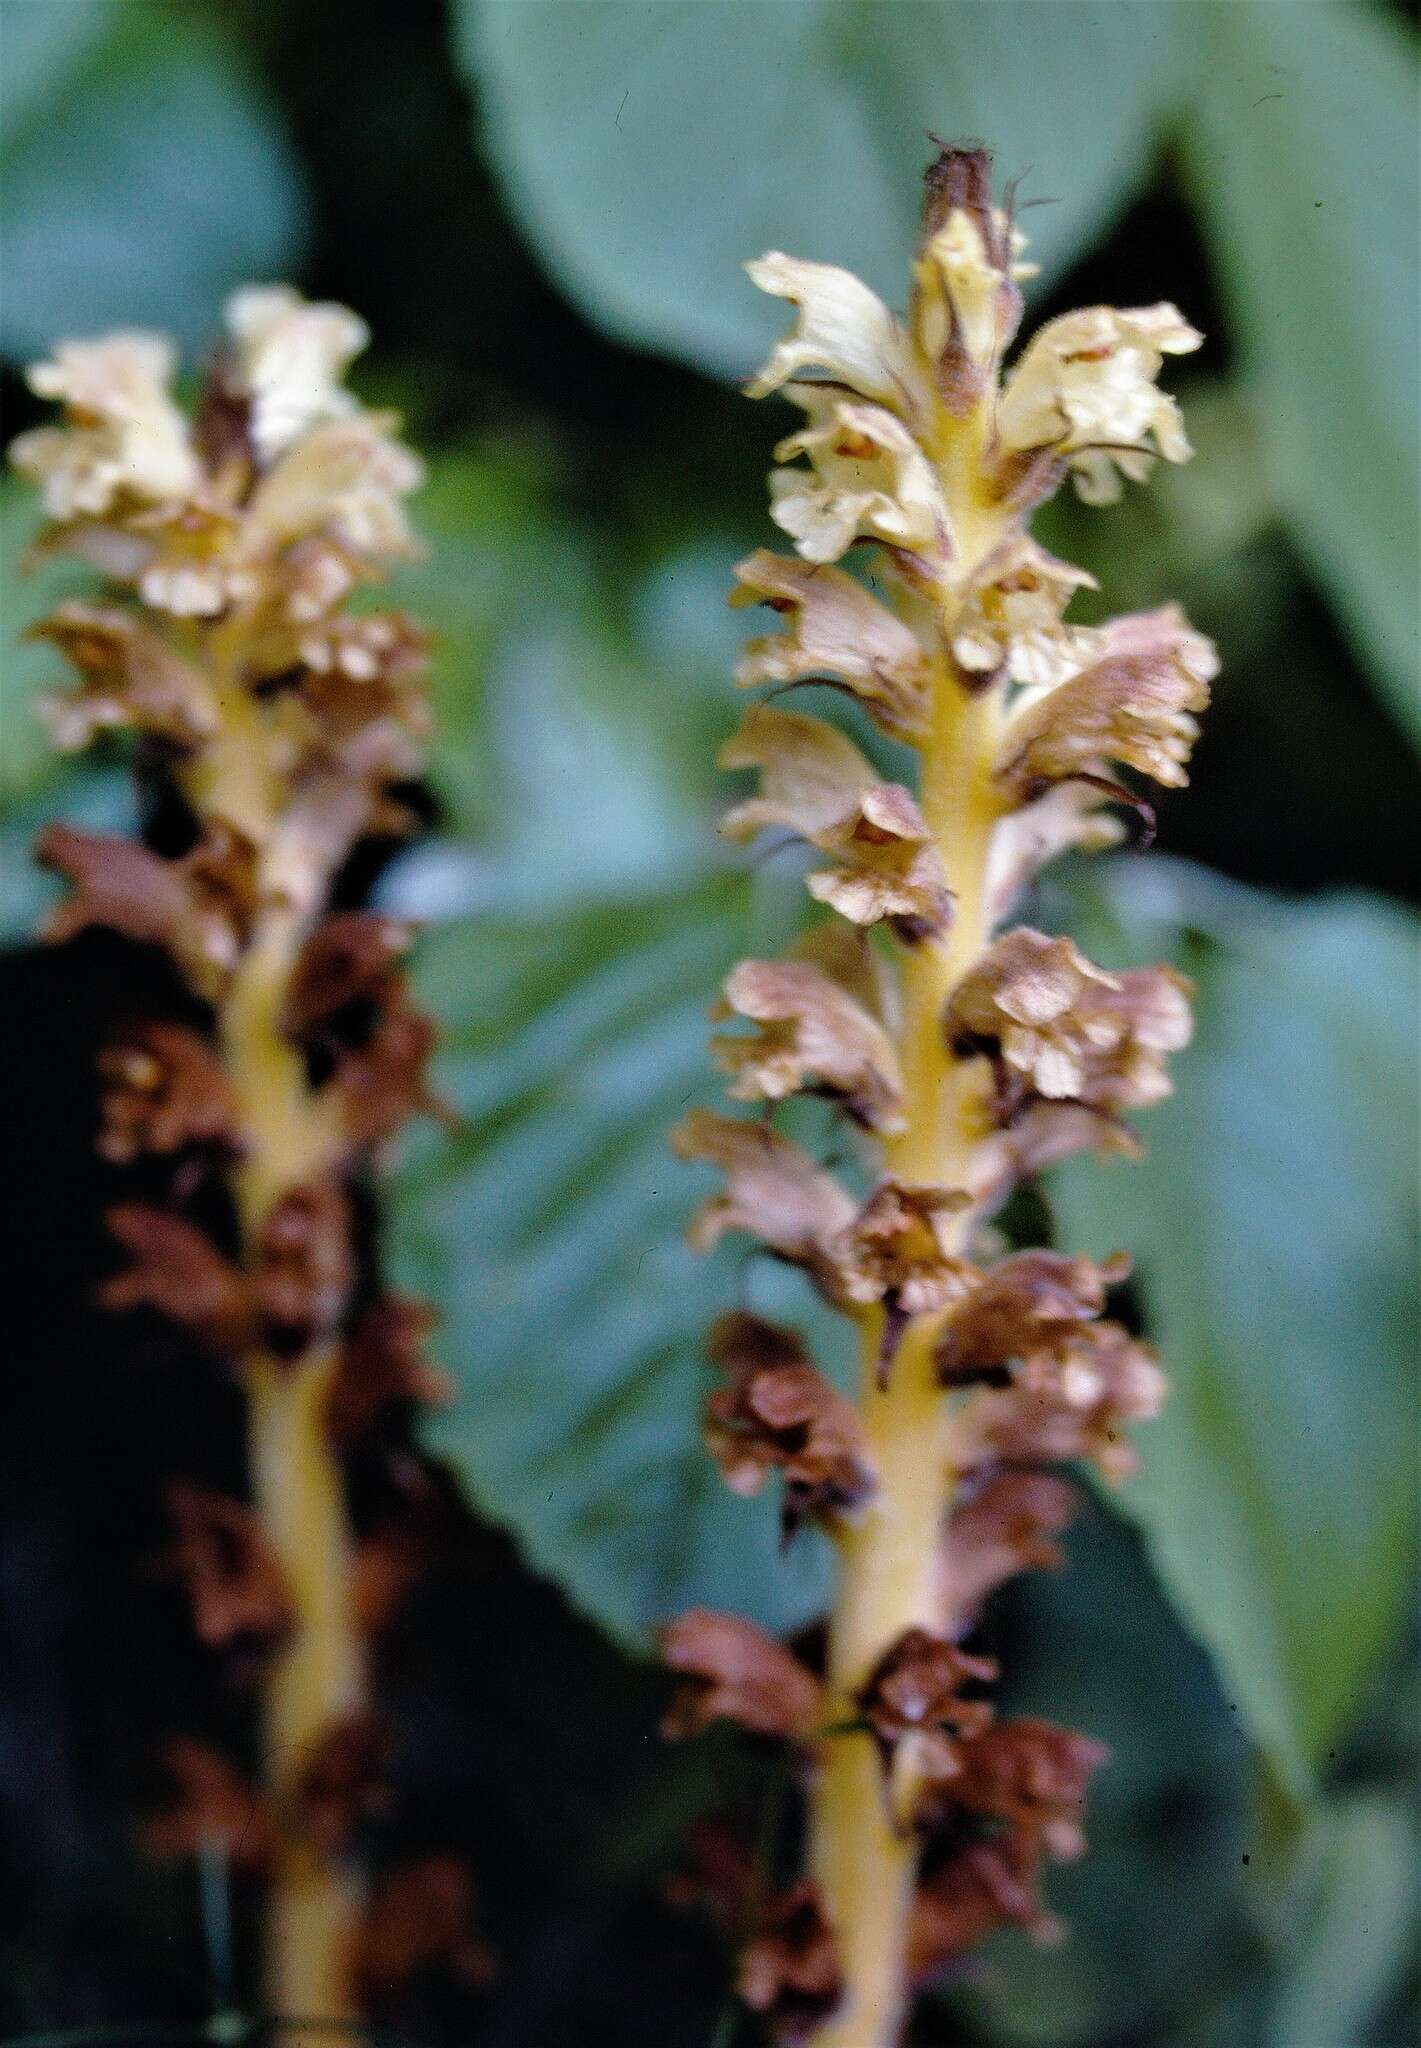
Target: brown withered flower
[(779, 1413), (381, 1081), (198, 908), (1024, 1303), (983, 1886), (912, 1702), (342, 1781), (304, 1269), (774, 1190), (129, 675), (346, 959), (1059, 1028), (733, 1671), (233, 1579), (789, 1970), (1029, 1775), (1070, 1399), (1006, 1526), (175, 1269), (383, 1364), (163, 1089), (809, 1033), (896, 1250)]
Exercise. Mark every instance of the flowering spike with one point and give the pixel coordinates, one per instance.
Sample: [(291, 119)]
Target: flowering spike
[(229, 543), (987, 1056)]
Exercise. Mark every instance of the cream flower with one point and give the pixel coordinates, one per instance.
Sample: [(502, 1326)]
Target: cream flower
[(868, 478), (292, 356), (1086, 388), (844, 330), (1011, 620), (123, 438), (345, 478)]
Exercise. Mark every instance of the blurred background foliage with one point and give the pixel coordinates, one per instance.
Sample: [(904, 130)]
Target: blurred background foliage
[(541, 206)]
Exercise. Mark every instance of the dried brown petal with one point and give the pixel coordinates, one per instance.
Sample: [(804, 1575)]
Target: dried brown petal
[(163, 1089), (1059, 1028), (780, 1413), (1025, 1302), (898, 1249), (1039, 1135), (912, 1701), (790, 1971), (129, 676), (199, 907), (383, 1363), (890, 867), (774, 1190), (177, 1270), (422, 1916), (987, 1885), (382, 1082), (342, 1784), (1068, 1400), (810, 1034), (1133, 706), (733, 1671), (303, 1266), (849, 957), (232, 1576), (838, 632), (1004, 1528), (211, 1805), (1031, 1775), (347, 957)]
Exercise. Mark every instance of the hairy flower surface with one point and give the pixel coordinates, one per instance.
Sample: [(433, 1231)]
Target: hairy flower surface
[(969, 1056)]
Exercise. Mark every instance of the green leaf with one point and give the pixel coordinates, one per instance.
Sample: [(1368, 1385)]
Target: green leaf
[(1302, 147), (38, 43), (649, 151), (148, 178), (1271, 1225), (1352, 1932), (549, 1232)]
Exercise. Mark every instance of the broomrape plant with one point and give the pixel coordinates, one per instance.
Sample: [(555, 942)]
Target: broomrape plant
[(229, 544), (969, 1056)]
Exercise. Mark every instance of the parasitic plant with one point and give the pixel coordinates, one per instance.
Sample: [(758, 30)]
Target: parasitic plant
[(969, 1055), (283, 718)]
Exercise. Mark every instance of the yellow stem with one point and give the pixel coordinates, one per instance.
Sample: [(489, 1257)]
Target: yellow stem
[(297, 1484), (888, 1567)]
